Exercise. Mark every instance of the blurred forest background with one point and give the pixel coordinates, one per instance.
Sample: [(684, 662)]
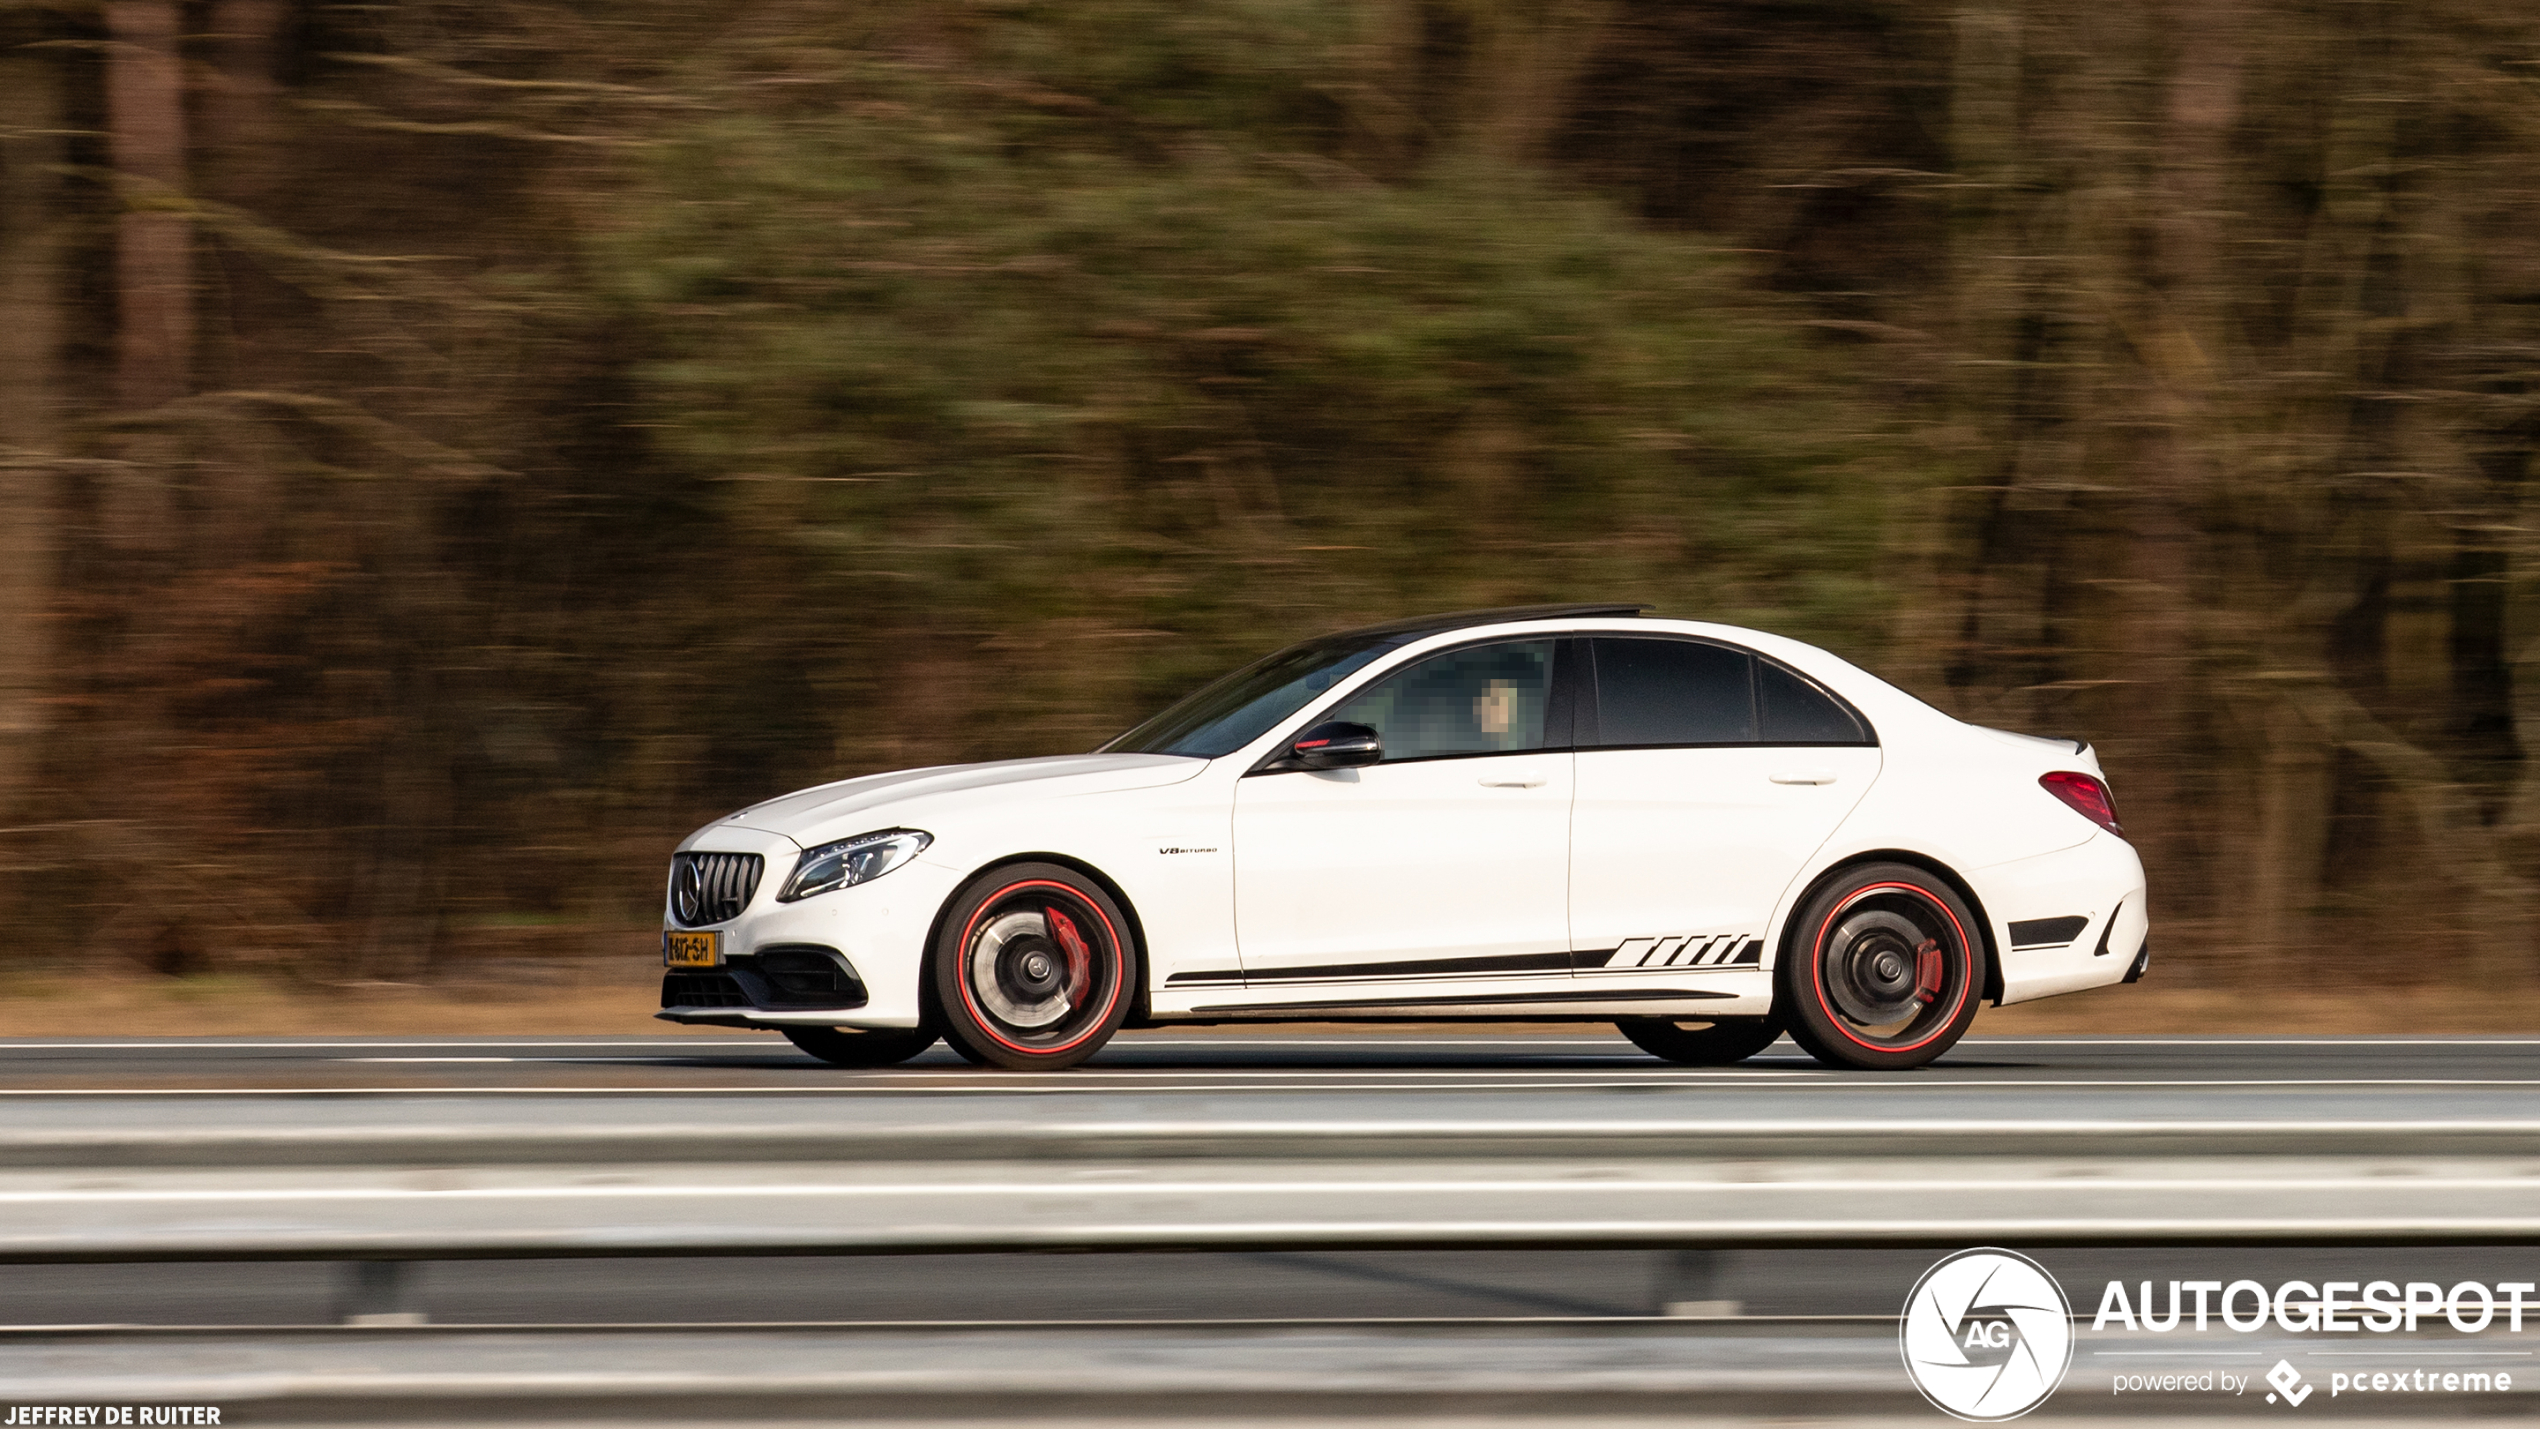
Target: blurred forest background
[(455, 447)]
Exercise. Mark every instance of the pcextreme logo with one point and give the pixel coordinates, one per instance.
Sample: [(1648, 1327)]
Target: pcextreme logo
[(1987, 1335)]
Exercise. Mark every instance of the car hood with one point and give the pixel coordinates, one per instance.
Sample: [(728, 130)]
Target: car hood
[(852, 806)]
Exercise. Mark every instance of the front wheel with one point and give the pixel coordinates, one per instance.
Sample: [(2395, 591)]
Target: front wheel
[(1033, 969), (1882, 970), (1717, 1044), (851, 1047)]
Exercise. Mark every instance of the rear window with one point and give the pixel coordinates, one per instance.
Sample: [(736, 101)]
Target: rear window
[(1673, 692), (1797, 712)]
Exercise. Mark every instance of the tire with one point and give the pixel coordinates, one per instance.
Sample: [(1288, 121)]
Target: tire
[(848, 1047), (1717, 1044), (1033, 968), (1881, 970)]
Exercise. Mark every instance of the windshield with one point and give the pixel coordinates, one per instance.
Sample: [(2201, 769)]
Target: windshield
[(1235, 711)]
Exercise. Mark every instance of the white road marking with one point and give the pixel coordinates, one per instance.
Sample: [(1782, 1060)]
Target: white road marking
[(1128, 1040), (2431, 1039), (1554, 1046), (584, 1061), (980, 1083), (1140, 1074), (207, 1045)]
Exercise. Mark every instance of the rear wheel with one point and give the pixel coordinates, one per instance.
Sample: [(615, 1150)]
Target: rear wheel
[(1033, 969), (1882, 969), (854, 1047), (1714, 1044)]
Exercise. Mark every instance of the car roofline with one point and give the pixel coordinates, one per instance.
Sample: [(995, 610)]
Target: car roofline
[(1423, 625), (1879, 701)]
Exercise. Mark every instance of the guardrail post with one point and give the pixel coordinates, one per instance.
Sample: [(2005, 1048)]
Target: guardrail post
[(1695, 1283), (377, 1292)]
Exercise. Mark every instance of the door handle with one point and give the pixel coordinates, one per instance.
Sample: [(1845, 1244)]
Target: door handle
[(1804, 776), (1512, 783)]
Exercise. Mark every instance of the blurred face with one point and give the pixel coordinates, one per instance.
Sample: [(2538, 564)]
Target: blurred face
[(1495, 708)]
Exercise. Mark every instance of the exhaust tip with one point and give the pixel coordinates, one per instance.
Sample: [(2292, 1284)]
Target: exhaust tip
[(2142, 962)]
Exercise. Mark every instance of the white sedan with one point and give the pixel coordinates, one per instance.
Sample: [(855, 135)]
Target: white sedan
[(1708, 836)]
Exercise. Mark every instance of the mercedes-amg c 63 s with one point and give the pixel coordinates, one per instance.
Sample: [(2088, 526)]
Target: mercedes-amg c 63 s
[(1705, 835)]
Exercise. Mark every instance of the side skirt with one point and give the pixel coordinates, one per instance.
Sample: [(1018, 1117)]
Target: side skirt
[(1626, 1002)]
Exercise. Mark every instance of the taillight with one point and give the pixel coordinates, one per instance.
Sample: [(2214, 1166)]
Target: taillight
[(2087, 796)]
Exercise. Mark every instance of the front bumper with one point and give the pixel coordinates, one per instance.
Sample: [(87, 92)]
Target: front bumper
[(787, 981), (760, 1017), (700, 1017), (876, 933)]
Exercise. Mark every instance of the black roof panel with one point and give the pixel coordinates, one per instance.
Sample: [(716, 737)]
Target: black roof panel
[(1457, 620)]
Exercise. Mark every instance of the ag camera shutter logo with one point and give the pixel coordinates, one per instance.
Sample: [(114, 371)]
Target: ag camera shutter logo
[(1987, 1335)]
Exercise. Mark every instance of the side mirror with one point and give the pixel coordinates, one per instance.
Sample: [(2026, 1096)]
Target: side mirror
[(1337, 745)]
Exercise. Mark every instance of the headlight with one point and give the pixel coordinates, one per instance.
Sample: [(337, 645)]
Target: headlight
[(852, 861)]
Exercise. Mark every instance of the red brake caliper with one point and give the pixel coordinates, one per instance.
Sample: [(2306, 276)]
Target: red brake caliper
[(1927, 970), (1080, 959)]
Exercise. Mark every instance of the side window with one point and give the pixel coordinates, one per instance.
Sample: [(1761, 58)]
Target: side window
[(1489, 699), (1673, 692), (1796, 712)]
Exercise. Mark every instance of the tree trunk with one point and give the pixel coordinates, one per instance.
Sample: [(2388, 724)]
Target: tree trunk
[(238, 107), (2181, 342), (1527, 56), (31, 252), (145, 92), (1989, 576)]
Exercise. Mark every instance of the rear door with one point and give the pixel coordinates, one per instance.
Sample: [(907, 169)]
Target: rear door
[(1707, 776), (1449, 859)]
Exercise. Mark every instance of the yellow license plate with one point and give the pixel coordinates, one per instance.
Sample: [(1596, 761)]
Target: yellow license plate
[(691, 950)]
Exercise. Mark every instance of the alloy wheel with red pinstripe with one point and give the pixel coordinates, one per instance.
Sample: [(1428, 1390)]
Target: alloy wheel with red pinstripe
[(1882, 969), (1034, 968)]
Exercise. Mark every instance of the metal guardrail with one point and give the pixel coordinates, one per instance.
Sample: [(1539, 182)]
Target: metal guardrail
[(449, 1192), (732, 1139)]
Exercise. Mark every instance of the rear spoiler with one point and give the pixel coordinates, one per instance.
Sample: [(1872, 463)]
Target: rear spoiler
[(2080, 746)]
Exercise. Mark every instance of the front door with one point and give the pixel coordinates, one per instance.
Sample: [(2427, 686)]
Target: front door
[(1707, 777), (1447, 860)]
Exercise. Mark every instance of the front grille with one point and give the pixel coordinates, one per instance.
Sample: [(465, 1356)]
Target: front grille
[(711, 888), (702, 990)]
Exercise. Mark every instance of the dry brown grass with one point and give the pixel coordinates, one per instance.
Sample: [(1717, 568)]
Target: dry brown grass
[(591, 1001), (2254, 1011)]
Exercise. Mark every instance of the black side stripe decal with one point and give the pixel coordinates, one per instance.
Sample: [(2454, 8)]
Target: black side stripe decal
[(1716, 952), (1422, 967), (1507, 999), (2047, 932)]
